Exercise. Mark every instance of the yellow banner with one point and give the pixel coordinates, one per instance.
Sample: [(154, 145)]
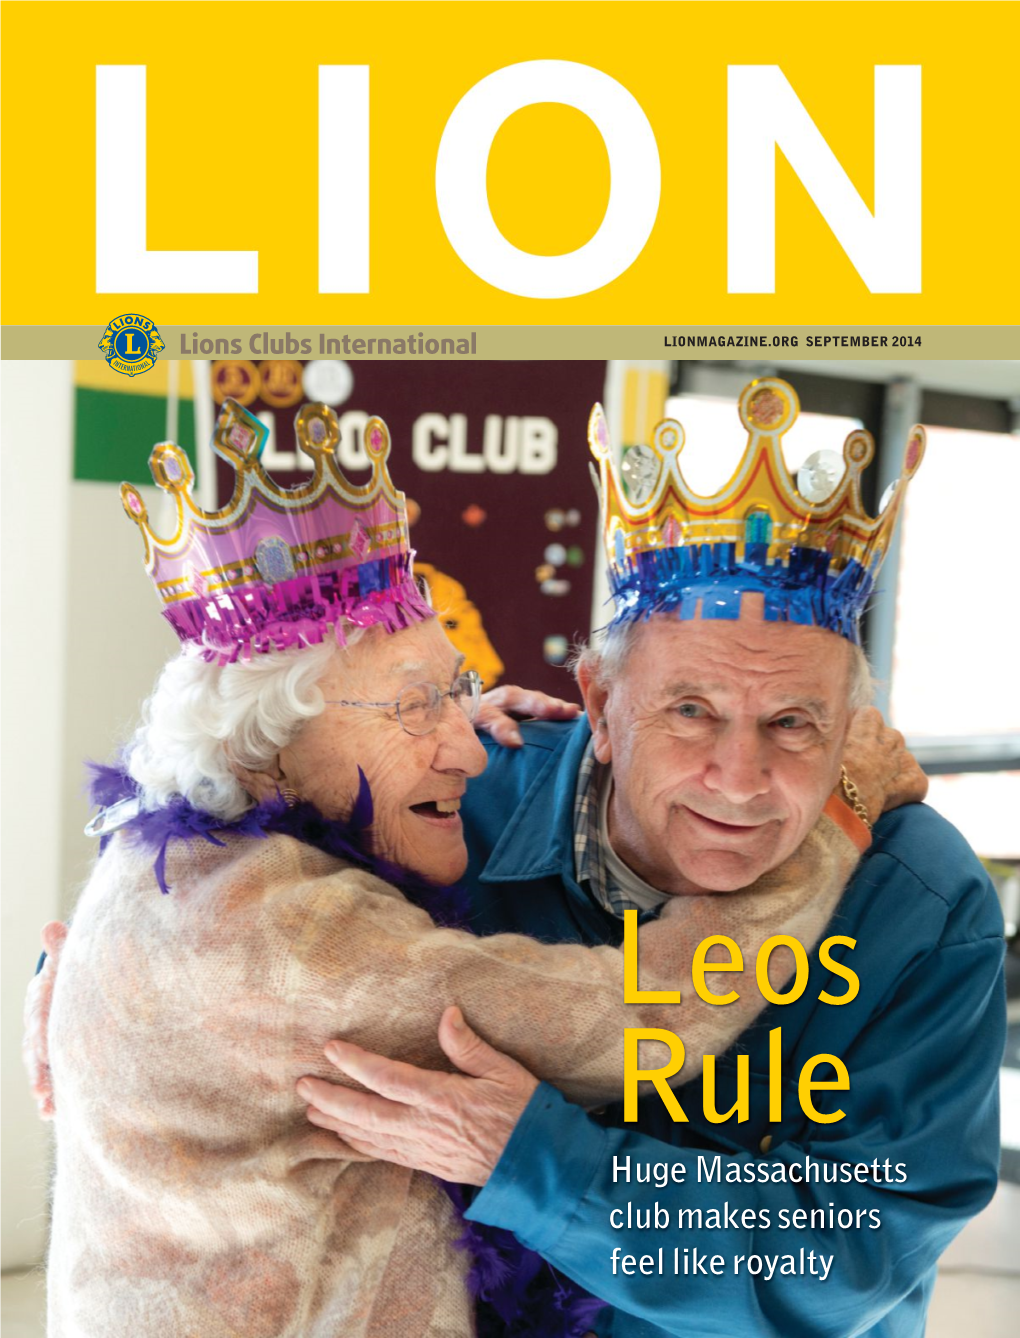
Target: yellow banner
[(510, 163)]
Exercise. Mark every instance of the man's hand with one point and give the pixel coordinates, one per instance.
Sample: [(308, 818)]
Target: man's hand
[(877, 761), (449, 1125), (35, 1046), (500, 709)]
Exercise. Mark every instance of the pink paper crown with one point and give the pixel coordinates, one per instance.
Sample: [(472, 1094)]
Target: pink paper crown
[(280, 567)]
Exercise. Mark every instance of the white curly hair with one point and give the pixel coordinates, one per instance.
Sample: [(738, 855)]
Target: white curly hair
[(203, 721)]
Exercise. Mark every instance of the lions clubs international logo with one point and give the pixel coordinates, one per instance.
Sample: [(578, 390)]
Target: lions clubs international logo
[(130, 344)]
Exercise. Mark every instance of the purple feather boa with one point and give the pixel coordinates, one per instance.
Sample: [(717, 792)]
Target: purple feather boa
[(347, 840), (518, 1294)]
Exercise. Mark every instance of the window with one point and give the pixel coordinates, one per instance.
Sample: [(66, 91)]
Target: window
[(957, 634)]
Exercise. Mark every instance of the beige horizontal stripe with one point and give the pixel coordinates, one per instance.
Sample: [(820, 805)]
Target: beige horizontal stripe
[(525, 342)]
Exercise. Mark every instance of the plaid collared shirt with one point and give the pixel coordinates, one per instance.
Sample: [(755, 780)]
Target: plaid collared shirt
[(589, 858)]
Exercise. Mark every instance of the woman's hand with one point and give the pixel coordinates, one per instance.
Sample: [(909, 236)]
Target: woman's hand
[(501, 708), (35, 1047)]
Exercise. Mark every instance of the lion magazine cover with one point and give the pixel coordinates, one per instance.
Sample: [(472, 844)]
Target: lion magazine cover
[(510, 739)]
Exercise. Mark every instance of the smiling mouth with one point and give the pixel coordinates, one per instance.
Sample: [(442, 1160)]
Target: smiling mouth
[(727, 828), (444, 811)]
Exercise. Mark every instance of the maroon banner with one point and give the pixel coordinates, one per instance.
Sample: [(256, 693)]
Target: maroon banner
[(493, 458)]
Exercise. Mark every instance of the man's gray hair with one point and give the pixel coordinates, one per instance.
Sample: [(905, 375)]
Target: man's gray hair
[(203, 720), (605, 657)]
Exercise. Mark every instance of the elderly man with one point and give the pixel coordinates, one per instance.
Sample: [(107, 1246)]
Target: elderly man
[(716, 712)]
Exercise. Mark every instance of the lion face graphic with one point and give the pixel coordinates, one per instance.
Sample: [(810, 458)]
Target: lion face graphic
[(463, 623)]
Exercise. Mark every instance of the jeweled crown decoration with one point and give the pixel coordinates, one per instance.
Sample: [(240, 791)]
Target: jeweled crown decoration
[(279, 567), (807, 544)]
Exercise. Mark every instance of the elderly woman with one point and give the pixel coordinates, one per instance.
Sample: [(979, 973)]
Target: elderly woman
[(279, 841)]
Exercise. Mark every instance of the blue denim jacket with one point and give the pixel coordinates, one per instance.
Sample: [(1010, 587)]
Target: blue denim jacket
[(922, 1042)]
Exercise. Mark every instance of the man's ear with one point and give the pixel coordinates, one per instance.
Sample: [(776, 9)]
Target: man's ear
[(261, 785), (595, 699)]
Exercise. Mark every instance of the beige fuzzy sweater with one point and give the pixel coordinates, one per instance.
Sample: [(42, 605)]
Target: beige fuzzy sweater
[(192, 1198)]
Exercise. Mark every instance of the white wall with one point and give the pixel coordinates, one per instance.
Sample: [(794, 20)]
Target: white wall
[(117, 642), (82, 644), (35, 484)]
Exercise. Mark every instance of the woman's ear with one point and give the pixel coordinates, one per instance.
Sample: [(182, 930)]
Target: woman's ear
[(261, 785), (595, 699)]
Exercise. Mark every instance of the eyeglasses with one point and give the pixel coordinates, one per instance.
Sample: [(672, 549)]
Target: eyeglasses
[(419, 706)]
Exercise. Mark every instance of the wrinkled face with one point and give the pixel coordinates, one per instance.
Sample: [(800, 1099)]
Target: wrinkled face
[(409, 775), (725, 740)]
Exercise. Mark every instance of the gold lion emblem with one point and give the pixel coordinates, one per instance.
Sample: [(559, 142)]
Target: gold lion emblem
[(463, 623)]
